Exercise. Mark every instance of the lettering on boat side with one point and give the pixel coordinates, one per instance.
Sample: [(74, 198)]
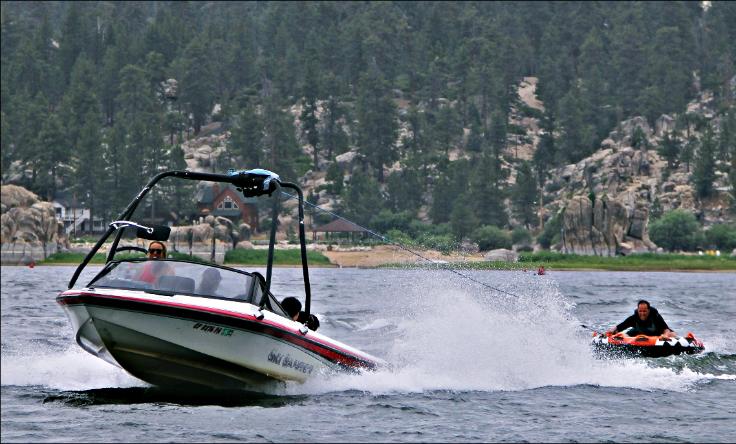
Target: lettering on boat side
[(222, 331), (287, 361)]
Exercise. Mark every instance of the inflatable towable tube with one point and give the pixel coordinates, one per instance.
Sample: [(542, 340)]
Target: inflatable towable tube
[(647, 346)]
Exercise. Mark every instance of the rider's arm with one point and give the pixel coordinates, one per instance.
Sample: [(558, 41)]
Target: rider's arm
[(628, 322)]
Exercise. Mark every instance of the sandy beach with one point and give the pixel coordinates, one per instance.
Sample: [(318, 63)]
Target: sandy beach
[(389, 254)]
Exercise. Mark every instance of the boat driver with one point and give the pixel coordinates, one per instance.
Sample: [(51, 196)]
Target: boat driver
[(153, 269), (646, 320)]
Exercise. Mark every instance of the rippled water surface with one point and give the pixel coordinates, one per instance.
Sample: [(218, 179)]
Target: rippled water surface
[(468, 364)]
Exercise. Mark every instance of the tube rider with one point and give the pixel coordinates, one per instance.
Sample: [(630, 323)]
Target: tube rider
[(646, 320)]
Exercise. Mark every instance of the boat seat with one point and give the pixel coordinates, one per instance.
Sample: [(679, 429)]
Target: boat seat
[(179, 284)]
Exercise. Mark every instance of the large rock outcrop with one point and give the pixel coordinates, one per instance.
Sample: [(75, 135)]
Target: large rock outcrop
[(606, 199), (219, 227), (29, 228), (604, 227), (202, 154)]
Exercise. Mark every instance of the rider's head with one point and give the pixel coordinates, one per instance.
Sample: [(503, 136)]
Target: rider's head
[(156, 250), (642, 309), (291, 306)]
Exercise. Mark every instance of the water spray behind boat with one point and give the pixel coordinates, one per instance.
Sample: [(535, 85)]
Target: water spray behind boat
[(506, 295)]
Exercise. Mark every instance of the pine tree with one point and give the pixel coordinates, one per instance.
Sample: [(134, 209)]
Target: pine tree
[(450, 183), (155, 67), (89, 164), (595, 84), (279, 142), (309, 113), (196, 84), (182, 204), (240, 56), (26, 120), (52, 156), (556, 65), (463, 220), (378, 127), (448, 128), (33, 66), (73, 38), (628, 56), (546, 153), (732, 181), (246, 138), (404, 190), (362, 198), (669, 70), (670, 150), (80, 99), (704, 172), (727, 137), (109, 81), (139, 130), (475, 138), (639, 139), (119, 187), (7, 156), (334, 139), (688, 151), (497, 135), (577, 137), (486, 185), (524, 195)]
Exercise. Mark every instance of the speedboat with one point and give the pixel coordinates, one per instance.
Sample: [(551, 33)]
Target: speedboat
[(200, 325), (623, 344)]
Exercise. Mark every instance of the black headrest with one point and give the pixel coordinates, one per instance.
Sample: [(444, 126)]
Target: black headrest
[(176, 283), (160, 233)]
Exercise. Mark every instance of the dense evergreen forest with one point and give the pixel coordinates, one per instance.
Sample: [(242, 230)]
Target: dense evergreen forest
[(85, 105)]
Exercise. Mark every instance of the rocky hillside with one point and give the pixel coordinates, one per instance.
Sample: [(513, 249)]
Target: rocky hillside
[(605, 201)]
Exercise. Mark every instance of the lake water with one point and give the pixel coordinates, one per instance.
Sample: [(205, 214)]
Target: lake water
[(468, 364)]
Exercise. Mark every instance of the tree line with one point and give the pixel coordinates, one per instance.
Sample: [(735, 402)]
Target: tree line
[(84, 104)]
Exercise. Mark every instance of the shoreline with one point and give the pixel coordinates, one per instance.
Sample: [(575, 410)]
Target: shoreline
[(387, 256), (549, 268)]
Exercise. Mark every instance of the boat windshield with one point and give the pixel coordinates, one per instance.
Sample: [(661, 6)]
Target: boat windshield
[(174, 277)]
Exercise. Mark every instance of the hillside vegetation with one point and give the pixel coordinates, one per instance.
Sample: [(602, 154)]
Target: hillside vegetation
[(431, 102)]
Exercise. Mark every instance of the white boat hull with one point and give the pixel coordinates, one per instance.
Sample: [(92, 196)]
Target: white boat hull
[(185, 341)]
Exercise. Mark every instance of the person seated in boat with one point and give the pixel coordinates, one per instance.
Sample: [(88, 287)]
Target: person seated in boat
[(646, 320), (292, 307), (155, 267), (210, 281)]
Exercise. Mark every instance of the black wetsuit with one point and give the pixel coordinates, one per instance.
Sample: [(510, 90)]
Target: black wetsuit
[(653, 326)]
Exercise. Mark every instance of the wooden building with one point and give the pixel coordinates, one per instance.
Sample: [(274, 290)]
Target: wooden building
[(224, 200), (339, 229)]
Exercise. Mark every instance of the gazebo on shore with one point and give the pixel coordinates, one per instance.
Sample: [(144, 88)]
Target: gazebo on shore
[(339, 229)]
